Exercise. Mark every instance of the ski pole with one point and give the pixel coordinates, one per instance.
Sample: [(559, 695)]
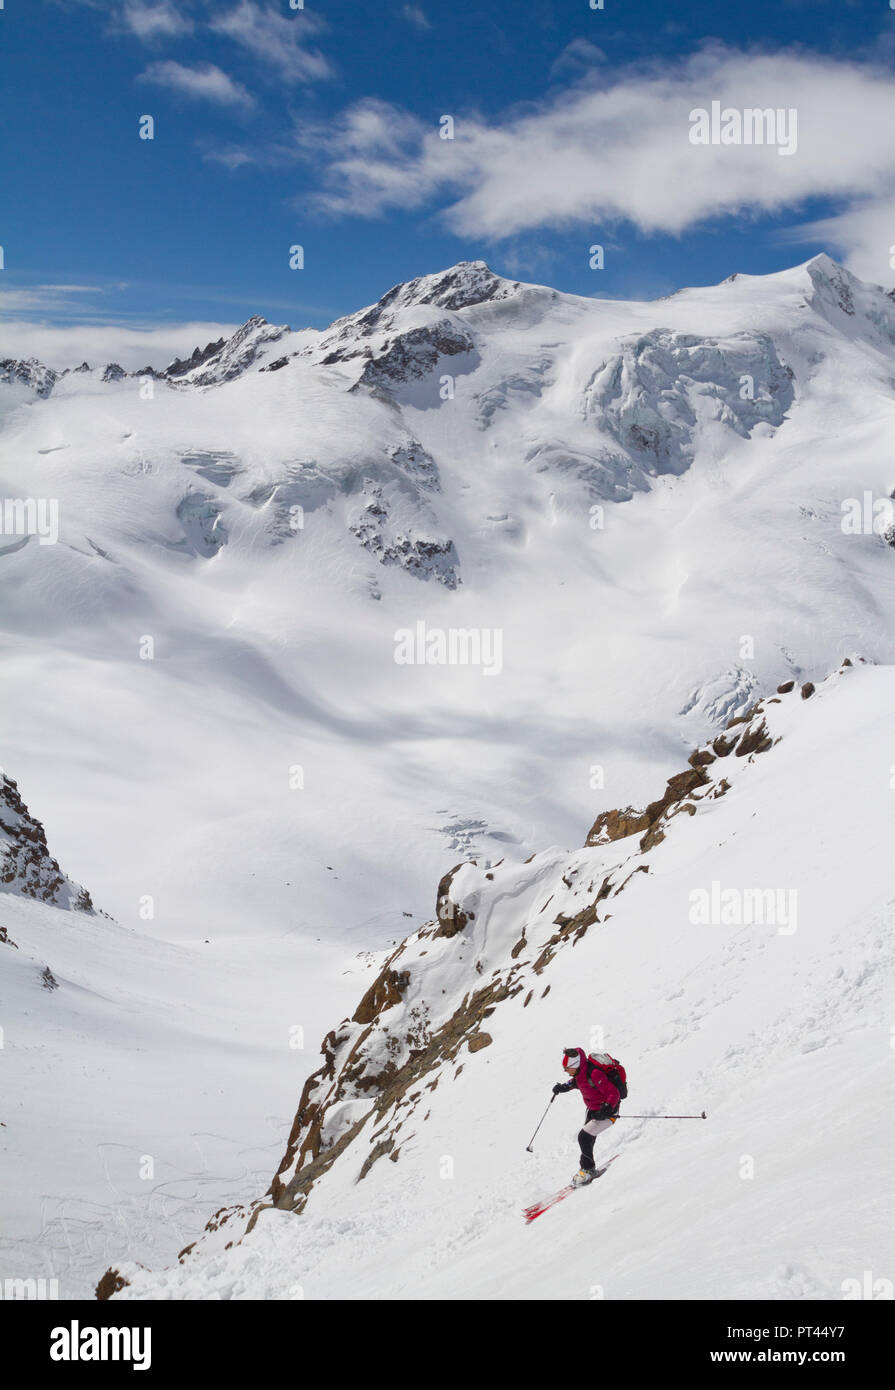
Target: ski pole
[(528, 1148), (659, 1117)]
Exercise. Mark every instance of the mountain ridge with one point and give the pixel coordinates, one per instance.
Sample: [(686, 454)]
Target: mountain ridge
[(464, 285)]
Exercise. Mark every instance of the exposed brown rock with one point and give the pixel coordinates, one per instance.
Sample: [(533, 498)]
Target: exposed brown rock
[(583, 919), (807, 690), (577, 924), (391, 1087), (676, 789), (756, 740), (616, 825), (384, 992), (221, 1217), (383, 1147), (450, 919), (681, 784), (785, 688), (110, 1284), (652, 823), (723, 746), (479, 1041), (294, 1196), (641, 869), (654, 836), (744, 718), (546, 955)]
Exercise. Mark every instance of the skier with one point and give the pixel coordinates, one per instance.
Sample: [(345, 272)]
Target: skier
[(601, 1096)]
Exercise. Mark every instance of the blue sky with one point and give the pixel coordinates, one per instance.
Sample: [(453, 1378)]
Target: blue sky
[(320, 126)]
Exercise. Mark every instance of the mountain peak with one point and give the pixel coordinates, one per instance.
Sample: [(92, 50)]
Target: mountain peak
[(459, 287), (835, 292), (228, 357), (31, 373), (824, 263)]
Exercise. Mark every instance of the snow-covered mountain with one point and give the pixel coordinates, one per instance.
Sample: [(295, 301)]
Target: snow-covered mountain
[(635, 496), (296, 624)]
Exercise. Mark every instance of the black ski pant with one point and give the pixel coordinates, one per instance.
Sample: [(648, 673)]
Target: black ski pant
[(593, 1126)]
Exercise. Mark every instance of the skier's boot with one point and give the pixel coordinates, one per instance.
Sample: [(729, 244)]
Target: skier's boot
[(583, 1177)]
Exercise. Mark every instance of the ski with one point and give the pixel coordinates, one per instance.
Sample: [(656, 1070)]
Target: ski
[(538, 1208)]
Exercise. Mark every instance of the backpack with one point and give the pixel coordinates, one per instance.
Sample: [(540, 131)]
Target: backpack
[(611, 1068)]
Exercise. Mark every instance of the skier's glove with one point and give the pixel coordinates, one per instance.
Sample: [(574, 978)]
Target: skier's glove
[(559, 1088)]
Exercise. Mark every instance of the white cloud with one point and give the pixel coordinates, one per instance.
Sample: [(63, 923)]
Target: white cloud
[(577, 58), (232, 158), (132, 347), (153, 19), (376, 158), (863, 237), (44, 298), (275, 40), (204, 83), (620, 150), (66, 324), (414, 15)]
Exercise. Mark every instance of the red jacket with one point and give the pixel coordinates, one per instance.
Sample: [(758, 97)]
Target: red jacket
[(596, 1089)]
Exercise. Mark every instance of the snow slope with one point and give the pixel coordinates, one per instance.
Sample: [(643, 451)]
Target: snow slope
[(779, 1029), (642, 500), (142, 1082)]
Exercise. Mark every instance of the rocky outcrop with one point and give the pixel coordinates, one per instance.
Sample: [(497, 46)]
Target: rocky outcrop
[(228, 357), (462, 286), (32, 373), (199, 356), (386, 990), (450, 917), (684, 789), (26, 865), (396, 543), (413, 355), (415, 463), (617, 825), (110, 1284), (392, 1086)]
